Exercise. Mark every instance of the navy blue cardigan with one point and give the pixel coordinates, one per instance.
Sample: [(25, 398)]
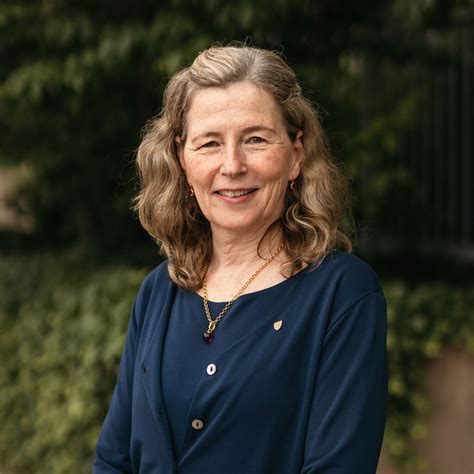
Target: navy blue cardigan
[(309, 398)]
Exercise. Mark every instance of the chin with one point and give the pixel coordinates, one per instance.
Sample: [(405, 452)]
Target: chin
[(240, 226)]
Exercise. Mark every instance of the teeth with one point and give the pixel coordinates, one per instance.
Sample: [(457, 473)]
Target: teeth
[(234, 194)]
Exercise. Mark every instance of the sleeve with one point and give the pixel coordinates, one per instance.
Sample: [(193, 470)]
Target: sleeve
[(113, 444), (348, 412)]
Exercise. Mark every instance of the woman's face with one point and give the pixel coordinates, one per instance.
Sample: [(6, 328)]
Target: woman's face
[(238, 157)]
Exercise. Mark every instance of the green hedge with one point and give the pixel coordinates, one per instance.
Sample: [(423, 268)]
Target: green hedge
[(422, 321), (61, 333)]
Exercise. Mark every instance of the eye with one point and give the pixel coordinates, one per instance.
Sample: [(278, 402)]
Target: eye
[(256, 140), (210, 144)]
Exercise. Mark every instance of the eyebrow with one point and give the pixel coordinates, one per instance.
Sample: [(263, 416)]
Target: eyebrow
[(253, 128)]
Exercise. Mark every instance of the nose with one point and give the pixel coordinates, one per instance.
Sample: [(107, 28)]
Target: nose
[(233, 161)]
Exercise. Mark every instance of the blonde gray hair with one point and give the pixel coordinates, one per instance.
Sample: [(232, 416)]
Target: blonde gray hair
[(316, 212)]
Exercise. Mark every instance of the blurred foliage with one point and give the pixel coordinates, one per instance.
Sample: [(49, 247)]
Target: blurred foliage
[(422, 320), (78, 80), (62, 326), (61, 333)]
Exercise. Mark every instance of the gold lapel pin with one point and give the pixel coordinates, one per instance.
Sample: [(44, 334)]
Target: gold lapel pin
[(277, 325)]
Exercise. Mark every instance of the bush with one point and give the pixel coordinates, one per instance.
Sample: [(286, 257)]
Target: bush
[(61, 335), (422, 321), (62, 327)]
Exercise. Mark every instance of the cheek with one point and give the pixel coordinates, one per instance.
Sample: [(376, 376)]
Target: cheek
[(202, 182), (195, 171), (276, 171)]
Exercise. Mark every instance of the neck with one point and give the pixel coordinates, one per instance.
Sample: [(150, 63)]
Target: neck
[(240, 251), (236, 257)]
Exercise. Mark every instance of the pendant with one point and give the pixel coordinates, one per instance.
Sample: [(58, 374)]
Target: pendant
[(208, 337)]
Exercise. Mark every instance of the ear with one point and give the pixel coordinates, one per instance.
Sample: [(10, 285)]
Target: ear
[(180, 150), (298, 155)]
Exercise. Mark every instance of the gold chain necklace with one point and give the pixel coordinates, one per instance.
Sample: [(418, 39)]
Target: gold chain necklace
[(208, 335)]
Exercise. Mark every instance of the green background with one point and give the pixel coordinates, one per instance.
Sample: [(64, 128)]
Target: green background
[(78, 81)]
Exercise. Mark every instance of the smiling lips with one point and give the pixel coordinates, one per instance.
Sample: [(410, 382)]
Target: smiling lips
[(236, 193)]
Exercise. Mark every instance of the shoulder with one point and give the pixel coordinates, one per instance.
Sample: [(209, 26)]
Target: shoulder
[(156, 284), (156, 276), (343, 279), (348, 270)]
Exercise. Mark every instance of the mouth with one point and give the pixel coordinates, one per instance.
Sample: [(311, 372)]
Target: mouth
[(235, 193)]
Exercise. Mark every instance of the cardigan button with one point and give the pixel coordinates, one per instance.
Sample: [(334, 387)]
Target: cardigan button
[(211, 369), (197, 424)]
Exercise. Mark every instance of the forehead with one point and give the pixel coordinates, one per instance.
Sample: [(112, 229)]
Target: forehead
[(238, 104)]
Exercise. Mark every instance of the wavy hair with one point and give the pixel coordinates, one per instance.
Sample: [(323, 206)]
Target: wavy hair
[(316, 212)]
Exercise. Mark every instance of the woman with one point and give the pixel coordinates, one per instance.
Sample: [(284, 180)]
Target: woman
[(258, 346)]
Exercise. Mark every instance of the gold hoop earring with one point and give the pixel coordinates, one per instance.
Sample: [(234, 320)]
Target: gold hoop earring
[(190, 191), (292, 185)]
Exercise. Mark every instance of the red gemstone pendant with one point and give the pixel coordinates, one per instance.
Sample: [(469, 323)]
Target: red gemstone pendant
[(208, 337)]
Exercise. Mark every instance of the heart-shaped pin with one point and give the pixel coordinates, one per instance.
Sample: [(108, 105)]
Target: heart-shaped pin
[(277, 325)]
